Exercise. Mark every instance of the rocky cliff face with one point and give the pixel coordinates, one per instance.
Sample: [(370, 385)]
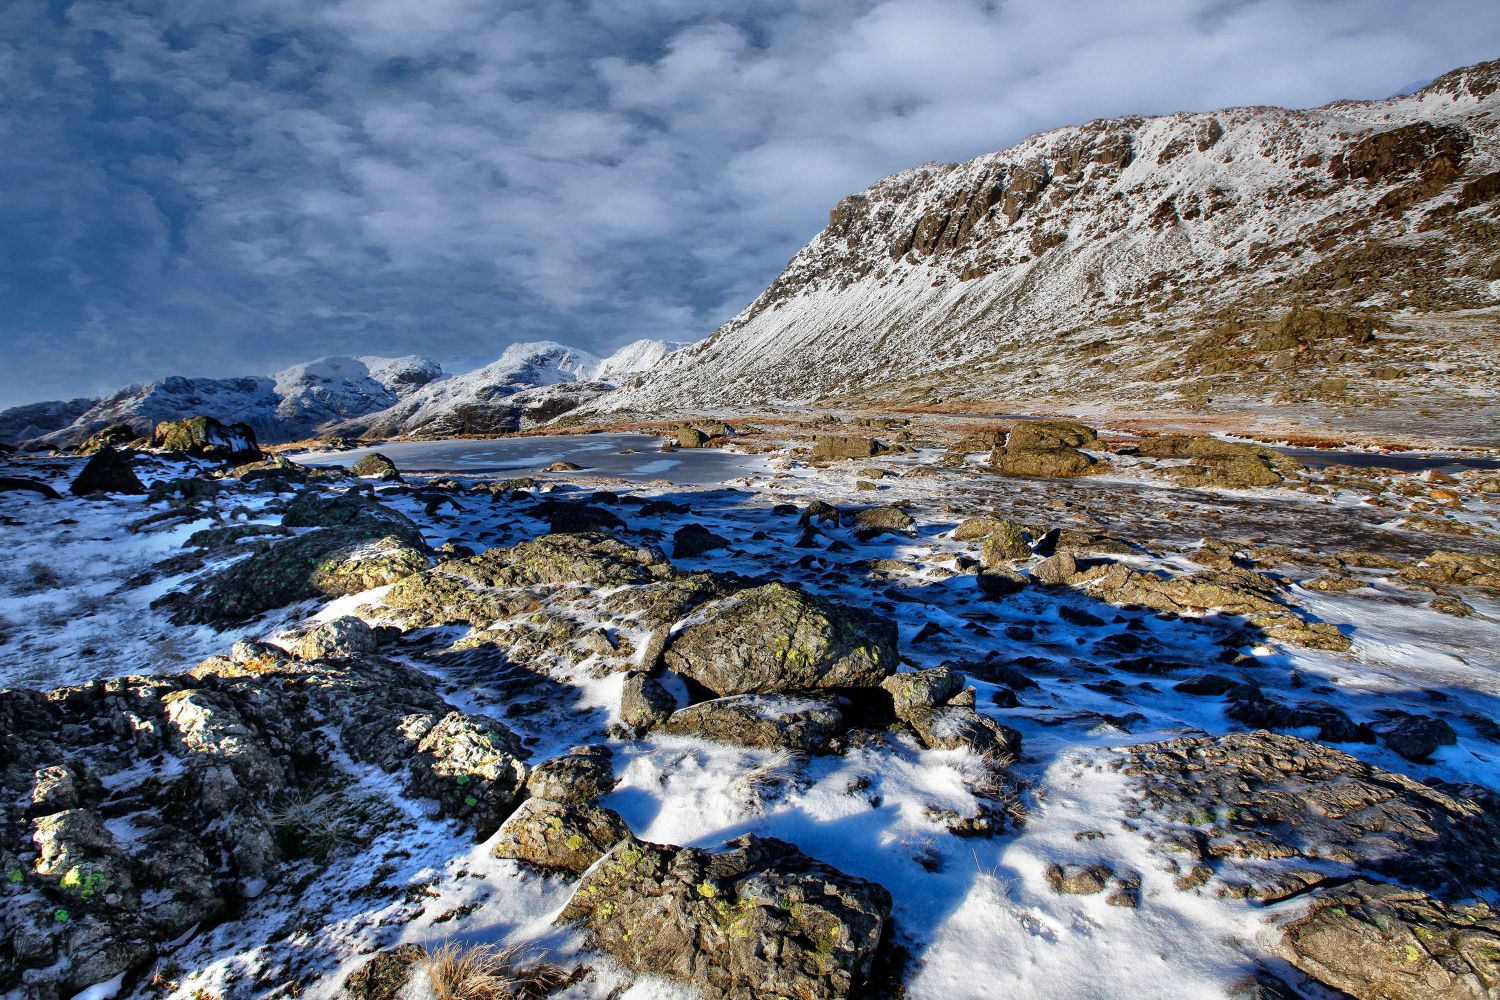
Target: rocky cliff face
[(1146, 258)]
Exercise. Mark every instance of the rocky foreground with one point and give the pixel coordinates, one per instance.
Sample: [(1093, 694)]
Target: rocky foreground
[(916, 711)]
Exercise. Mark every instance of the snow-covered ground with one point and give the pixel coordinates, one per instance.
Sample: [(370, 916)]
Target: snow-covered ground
[(976, 914)]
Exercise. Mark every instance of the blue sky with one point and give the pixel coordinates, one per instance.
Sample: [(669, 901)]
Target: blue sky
[(217, 187)]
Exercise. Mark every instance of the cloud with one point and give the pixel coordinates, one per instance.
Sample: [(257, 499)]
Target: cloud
[(220, 187)]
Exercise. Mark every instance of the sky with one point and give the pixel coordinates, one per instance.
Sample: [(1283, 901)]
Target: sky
[(225, 187)]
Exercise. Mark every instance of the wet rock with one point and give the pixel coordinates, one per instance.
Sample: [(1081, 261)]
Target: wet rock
[(337, 639), (558, 836), (806, 725), (834, 446), (693, 540), (1385, 942), (761, 919), (576, 777), (644, 703), (205, 437), (1417, 737), (877, 520), (1078, 880), (780, 638), (375, 466), (108, 471), (1302, 806)]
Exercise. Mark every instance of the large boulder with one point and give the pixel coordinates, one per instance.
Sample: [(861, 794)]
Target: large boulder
[(1384, 942), (108, 471), (375, 466), (207, 438), (835, 446), (1037, 435), (558, 836), (581, 775), (806, 725), (759, 921), (779, 638)]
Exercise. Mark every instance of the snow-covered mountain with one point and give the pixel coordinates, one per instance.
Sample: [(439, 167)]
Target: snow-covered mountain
[(285, 406), (529, 384), (1146, 259)]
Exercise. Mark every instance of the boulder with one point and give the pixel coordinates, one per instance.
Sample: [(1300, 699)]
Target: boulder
[(876, 520), (1044, 435), (691, 437), (760, 920), (557, 836), (576, 777), (778, 638), (338, 639), (205, 437), (1417, 737), (113, 436), (805, 725), (108, 471), (644, 703), (961, 727), (693, 540), (818, 511), (12, 484), (1056, 570), (1006, 545), (1383, 942), (835, 446), (472, 767), (375, 466), (1034, 463), (922, 689)]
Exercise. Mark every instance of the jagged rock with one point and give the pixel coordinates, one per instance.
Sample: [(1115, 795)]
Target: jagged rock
[(559, 836), (108, 471), (11, 484), (806, 725), (471, 765), (644, 703), (1417, 737), (1056, 570), (327, 562), (207, 438), (922, 689), (875, 520), (780, 638), (693, 540), (576, 777), (1306, 807), (1385, 942), (112, 436), (760, 920), (834, 446), (337, 639), (375, 466)]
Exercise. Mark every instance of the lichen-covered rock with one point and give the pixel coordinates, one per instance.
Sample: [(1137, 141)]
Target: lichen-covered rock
[(644, 703), (760, 921), (578, 776), (559, 836), (1384, 942), (875, 520), (1034, 463), (1462, 569), (108, 471), (1240, 472), (1049, 434), (1005, 546), (1057, 570), (386, 974), (327, 562), (1311, 809), (806, 725), (1078, 880), (207, 438), (780, 638), (922, 689), (691, 437), (113, 436), (336, 639), (375, 466), (472, 766)]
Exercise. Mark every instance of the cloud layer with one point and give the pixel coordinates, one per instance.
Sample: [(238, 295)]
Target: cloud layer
[(217, 187)]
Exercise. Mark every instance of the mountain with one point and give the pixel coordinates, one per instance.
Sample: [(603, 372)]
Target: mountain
[(1345, 255), (528, 385), (288, 405)]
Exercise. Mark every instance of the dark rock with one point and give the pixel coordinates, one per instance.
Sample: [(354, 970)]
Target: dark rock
[(693, 540), (999, 582), (108, 471), (11, 484), (760, 920), (1252, 707), (1417, 737), (384, 977)]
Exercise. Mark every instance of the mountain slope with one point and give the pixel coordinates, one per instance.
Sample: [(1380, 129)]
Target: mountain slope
[(1148, 259)]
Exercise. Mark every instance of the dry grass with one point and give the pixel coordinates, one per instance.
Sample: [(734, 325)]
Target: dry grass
[(487, 972)]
